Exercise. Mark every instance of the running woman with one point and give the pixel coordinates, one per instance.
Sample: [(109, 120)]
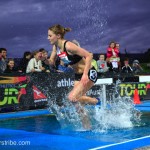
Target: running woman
[(79, 59)]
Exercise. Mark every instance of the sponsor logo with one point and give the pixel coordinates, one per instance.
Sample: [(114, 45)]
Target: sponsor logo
[(10, 97), (38, 95), (94, 92), (8, 86), (40, 100), (65, 83), (128, 89)]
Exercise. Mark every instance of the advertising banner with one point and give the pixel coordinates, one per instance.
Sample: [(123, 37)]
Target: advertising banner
[(32, 91), (26, 91)]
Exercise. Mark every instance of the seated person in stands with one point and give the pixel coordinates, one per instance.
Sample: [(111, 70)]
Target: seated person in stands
[(102, 64), (3, 59), (35, 63), (24, 61), (113, 58), (0, 62), (117, 46), (63, 67), (10, 68), (126, 68), (45, 57), (94, 63), (136, 67)]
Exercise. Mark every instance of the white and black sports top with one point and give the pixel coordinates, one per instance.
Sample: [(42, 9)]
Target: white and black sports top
[(66, 58)]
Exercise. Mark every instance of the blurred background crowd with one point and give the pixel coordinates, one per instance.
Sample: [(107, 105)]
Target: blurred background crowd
[(111, 61)]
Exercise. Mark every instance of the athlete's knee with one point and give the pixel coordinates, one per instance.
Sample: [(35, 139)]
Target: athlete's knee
[(71, 97)]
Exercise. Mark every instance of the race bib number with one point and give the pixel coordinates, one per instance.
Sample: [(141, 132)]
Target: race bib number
[(63, 56), (93, 75)]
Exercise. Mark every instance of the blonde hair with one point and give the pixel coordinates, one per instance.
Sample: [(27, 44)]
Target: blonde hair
[(58, 29)]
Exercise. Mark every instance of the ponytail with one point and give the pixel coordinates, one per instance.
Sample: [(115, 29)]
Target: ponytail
[(67, 29), (58, 29)]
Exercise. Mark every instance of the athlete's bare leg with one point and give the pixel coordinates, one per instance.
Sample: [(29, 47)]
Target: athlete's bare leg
[(78, 95), (83, 116), (79, 91)]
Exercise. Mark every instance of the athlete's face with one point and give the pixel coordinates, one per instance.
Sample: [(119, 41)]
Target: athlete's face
[(53, 38)]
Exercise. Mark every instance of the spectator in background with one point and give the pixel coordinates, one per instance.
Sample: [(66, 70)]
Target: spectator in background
[(3, 61), (10, 66), (64, 68), (102, 64), (44, 57), (117, 45), (112, 51), (46, 63), (24, 61), (94, 64), (0, 56), (113, 58), (136, 67), (126, 68), (35, 63)]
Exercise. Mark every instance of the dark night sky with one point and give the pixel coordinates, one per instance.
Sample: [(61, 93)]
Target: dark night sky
[(94, 24)]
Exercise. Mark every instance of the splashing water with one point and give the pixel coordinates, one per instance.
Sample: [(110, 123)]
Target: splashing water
[(66, 114), (84, 21), (119, 113)]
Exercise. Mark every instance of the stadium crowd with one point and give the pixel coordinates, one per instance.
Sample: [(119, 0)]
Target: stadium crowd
[(38, 61)]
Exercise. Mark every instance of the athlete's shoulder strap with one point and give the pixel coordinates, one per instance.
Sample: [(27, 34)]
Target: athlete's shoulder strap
[(65, 46)]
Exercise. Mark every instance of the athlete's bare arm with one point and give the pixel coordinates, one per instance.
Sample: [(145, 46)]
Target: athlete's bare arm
[(74, 49), (53, 56)]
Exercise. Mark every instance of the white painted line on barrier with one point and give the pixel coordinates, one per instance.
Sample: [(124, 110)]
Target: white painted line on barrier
[(144, 78), (104, 81), (105, 146)]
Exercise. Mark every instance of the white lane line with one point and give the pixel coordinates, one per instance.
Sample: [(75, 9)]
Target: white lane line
[(119, 143)]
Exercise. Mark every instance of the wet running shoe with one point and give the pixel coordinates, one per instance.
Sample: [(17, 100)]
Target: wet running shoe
[(99, 101)]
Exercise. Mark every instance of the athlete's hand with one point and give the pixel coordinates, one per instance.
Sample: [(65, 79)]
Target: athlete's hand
[(84, 79)]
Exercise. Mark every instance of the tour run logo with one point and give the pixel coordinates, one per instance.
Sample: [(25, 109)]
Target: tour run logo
[(9, 97), (128, 89), (9, 80), (148, 86)]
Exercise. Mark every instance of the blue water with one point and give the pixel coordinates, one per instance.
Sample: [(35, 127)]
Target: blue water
[(49, 125)]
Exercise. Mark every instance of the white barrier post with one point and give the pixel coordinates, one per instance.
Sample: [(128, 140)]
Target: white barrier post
[(104, 100), (104, 82)]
